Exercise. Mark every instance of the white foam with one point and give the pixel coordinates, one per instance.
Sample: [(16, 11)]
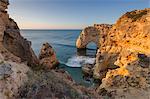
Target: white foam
[(78, 61)]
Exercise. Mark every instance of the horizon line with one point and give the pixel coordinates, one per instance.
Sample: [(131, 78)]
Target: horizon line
[(50, 29)]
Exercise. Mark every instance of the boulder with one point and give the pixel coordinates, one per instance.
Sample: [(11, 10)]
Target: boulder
[(47, 57)]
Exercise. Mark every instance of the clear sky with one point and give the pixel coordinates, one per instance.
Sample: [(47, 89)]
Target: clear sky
[(70, 14)]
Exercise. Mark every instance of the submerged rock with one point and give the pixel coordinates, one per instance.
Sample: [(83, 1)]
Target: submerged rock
[(47, 57)]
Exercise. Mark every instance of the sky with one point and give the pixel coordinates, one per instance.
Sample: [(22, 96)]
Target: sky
[(70, 14)]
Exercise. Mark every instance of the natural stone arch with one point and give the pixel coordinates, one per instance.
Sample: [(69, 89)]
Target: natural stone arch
[(88, 35)]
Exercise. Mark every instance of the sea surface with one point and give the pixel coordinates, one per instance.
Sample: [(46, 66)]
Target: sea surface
[(63, 42)]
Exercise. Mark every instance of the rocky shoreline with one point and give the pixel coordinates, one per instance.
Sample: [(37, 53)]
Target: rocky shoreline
[(24, 75), (123, 58), (122, 62)]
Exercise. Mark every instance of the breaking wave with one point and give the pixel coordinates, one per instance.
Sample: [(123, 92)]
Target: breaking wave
[(78, 61)]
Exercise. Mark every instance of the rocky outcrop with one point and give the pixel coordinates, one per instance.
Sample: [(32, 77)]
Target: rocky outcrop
[(3, 5), (47, 57), (126, 45), (18, 81), (89, 34), (12, 77), (87, 69), (129, 36), (54, 84), (13, 45), (92, 34)]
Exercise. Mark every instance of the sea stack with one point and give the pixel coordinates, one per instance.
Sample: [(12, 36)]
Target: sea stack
[(47, 57)]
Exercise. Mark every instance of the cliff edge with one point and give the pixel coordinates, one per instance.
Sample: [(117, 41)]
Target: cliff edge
[(12, 45), (126, 45)]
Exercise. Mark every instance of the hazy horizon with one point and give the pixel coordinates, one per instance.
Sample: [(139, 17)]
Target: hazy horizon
[(70, 14)]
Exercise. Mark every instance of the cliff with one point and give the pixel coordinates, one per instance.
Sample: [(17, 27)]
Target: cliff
[(13, 45), (18, 80), (126, 45), (123, 57)]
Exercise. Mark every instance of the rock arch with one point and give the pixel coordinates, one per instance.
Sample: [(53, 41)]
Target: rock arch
[(88, 35)]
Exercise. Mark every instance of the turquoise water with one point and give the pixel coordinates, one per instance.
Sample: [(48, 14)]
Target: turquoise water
[(63, 41)]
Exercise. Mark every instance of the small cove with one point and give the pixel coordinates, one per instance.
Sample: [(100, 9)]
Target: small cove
[(63, 42)]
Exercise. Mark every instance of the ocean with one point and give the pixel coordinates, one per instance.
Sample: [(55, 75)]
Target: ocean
[(63, 42)]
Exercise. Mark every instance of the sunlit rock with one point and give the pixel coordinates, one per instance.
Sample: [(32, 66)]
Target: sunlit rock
[(124, 45)]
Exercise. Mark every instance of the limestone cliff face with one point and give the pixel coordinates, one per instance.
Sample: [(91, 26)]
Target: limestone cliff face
[(13, 45), (129, 35), (126, 45)]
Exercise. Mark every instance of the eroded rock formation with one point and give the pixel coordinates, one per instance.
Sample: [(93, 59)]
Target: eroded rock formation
[(47, 57), (18, 81), (123, 57), (89, 34), (124, 44), (92, 34), (13, 45)]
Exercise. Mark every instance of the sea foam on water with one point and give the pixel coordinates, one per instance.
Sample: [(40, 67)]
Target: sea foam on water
[(78, 61)]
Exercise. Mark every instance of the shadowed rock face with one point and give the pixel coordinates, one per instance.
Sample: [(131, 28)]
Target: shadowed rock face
[(11, 41)]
